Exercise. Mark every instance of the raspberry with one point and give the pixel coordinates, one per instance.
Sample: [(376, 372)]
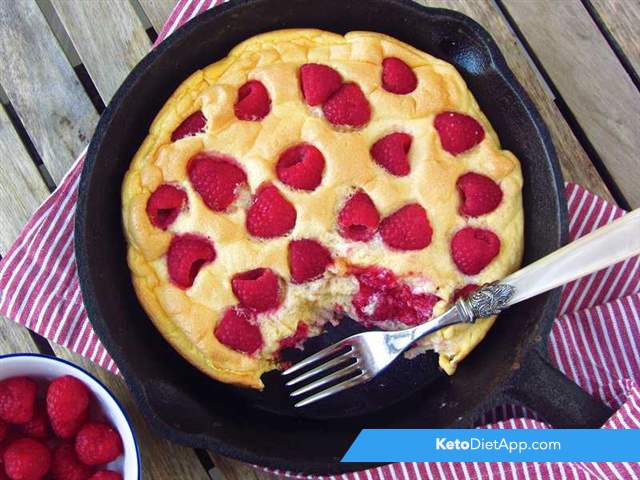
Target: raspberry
[(397, 76), (347, 106), (302, 332), (257, 289), (318, 82), (17, 397), (270, 215), (4, 430), (26, 459), (191, 125), (66, 466), (458, 132), (301, 167), (98, 443), (478, 194), (165, 204), (308, 260), (216, 178), (391, 153), (407, 228), (473, 249), (358, 220), (106, 475), (67, 405), (187, 254), (38, 426), (383, 297), (238, 331), (10, 437), (253, 101), (465, 291)]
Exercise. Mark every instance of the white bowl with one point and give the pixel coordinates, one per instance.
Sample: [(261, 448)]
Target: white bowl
[(43, 367)]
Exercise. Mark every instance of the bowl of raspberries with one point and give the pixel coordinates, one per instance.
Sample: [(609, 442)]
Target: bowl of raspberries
[(58, 422)]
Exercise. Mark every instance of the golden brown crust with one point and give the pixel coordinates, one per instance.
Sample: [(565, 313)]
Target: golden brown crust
[(187, 318)]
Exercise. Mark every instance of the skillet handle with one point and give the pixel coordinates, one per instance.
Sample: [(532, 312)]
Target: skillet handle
[(541, 387)]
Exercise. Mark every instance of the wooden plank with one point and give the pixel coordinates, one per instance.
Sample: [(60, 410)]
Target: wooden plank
[(157, 11), (161, 459), (108, 48), (15, 338), (576, 165), (43, 88), (21, 186), (235, 470), (591, 80), (622, 19)]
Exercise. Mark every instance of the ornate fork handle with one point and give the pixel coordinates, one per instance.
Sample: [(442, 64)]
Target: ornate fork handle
[(488, 300)]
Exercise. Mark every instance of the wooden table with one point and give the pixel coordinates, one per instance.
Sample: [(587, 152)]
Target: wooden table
[(62, 60)]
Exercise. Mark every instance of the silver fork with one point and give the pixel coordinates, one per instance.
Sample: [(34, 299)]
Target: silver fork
[(364, 355)]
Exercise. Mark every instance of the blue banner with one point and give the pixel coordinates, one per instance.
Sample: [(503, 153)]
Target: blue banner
[(479, 445)]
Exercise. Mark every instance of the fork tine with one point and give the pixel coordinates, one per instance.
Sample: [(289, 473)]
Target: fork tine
[(351, 382), (328, 379), (317, 356), (331, 363)]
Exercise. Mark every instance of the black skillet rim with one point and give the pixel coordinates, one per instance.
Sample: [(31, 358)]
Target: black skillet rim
[(88, 289)]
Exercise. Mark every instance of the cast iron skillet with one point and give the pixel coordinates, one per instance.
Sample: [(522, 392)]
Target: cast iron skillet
[(262, 428)]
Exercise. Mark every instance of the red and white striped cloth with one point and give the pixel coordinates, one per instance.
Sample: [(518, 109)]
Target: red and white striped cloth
[(595, 340)]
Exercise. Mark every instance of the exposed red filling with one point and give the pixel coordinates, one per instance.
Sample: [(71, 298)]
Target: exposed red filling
[(301, 333), (384, 297)]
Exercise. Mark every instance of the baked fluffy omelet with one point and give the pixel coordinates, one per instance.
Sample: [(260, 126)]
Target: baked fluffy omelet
[(223, 228)]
